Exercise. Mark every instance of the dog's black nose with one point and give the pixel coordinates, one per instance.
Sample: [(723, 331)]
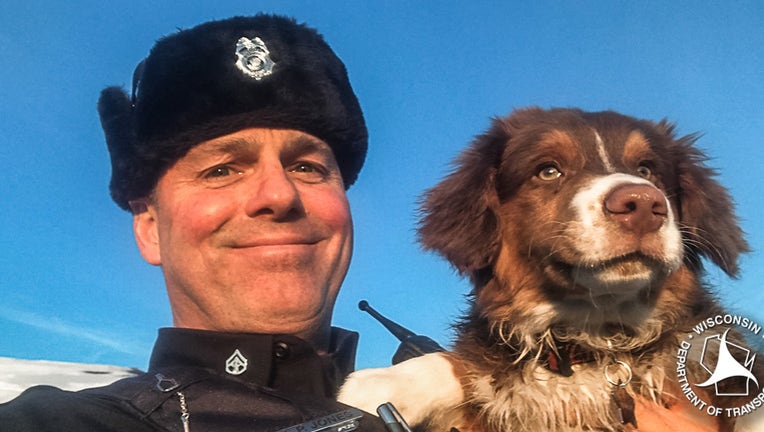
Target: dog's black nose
[(638, 208)]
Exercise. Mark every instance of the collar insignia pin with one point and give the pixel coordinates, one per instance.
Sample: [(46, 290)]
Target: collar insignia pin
[(236, 364), (253, 58)]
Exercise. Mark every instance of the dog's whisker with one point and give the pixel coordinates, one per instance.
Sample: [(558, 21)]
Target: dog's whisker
[(551, 234), (696, 236)]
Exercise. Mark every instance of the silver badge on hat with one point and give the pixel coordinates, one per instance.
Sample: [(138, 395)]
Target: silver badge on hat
[(253, 58)]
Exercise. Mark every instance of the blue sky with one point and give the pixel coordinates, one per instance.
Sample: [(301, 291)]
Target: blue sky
[(429, 75)]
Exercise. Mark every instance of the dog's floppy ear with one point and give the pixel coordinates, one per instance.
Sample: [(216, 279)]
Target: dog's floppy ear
[(458, 214), (708, 222)]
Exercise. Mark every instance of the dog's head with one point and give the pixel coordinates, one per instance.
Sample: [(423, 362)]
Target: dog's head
[(590, 210)]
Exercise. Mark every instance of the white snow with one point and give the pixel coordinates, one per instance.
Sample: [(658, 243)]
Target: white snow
[(16, 375)]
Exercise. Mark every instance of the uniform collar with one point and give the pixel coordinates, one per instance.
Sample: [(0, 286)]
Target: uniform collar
[(284, 362)]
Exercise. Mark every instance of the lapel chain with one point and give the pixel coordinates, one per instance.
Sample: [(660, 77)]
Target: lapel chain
[(184, 414)]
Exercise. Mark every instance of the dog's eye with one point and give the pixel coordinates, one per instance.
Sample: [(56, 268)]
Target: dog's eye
[(549, 173), (644, 171)]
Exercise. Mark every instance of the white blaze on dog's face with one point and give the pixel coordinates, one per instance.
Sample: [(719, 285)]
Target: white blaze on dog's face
[(623, 252)]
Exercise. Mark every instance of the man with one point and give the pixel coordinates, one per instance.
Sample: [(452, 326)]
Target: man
[(233, 153)]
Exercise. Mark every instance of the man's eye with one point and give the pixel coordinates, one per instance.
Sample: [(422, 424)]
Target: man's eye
[(221, 171), (309, 170), (304, 168)]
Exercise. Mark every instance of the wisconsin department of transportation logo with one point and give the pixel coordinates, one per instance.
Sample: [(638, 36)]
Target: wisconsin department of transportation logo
[(721, 366)]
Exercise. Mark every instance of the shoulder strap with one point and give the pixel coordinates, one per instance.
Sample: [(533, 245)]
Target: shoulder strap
[(147, 391), (145, 394)]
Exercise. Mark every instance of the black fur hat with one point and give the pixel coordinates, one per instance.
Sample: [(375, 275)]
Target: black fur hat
[(221, 77)]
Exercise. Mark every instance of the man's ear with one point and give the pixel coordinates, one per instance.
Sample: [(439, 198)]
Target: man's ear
[(147, 234)]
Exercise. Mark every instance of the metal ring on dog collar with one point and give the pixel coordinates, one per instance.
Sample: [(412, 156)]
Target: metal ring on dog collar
[(618, 383)]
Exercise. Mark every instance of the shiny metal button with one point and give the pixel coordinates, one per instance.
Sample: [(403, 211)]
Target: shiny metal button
[(281, 350)]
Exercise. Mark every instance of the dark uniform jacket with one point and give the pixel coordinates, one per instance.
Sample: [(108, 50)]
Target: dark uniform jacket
[(201, 381)]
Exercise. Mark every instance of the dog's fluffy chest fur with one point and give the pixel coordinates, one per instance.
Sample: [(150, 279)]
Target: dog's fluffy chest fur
[(529, 396)]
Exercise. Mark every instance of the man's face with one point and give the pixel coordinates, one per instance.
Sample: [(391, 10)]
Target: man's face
[(253, 233)]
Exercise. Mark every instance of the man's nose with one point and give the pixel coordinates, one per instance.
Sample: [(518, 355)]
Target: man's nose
[(273, 193)]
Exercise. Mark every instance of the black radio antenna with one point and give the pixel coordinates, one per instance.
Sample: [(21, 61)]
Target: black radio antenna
[(400, 332), (412, 344)]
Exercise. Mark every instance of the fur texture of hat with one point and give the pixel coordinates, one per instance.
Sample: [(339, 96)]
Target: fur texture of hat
[(190, 90)]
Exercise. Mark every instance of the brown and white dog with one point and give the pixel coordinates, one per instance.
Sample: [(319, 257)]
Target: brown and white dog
[(583, 235)]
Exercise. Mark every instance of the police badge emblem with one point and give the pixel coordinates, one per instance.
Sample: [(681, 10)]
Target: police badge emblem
[(253, 58)]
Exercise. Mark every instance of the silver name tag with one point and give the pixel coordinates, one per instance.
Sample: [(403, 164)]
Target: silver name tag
[(341, 421)]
